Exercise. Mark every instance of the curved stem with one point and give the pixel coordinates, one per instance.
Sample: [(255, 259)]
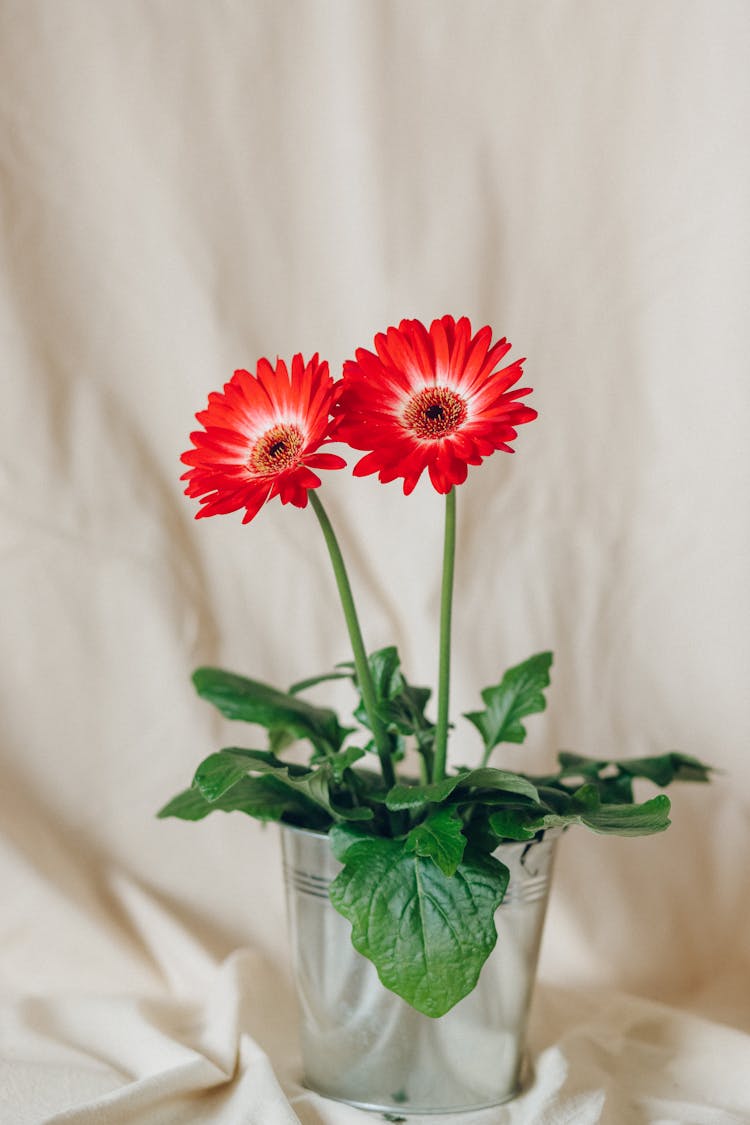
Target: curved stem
[(446, 606), (364, 676)]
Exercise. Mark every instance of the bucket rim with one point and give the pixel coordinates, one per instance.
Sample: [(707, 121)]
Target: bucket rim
[(551, 834)]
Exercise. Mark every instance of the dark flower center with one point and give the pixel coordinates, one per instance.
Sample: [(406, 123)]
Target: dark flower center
[(434, 412), (276, 450)]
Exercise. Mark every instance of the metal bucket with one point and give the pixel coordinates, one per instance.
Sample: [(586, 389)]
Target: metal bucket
[(366, 1046)]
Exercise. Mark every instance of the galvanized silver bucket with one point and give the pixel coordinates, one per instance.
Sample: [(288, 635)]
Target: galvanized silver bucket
[(363, 1044)]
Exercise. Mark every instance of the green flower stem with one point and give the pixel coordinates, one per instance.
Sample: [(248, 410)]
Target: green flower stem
[(446, 607), (364, 676)]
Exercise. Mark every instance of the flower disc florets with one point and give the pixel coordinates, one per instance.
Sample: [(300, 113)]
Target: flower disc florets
[(260, 439), (279, 448), (430, 399), (434, 412)]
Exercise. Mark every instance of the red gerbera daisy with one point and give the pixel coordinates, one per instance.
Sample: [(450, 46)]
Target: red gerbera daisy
[(260, 439), (430, 400)]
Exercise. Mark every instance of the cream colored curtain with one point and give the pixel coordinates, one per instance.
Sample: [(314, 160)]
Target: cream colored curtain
[(190, 185)]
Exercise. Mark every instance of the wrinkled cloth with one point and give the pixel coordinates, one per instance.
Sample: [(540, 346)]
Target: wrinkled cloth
[(189, 186)]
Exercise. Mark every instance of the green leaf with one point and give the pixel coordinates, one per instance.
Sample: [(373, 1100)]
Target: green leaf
[(343, 761), (439, 837), (253, 702), (489, 778), (222, 770), (259, 797), (662, 769), (400, 704), (613, 778), (340, 811), (610, 820), (556, 798), (343, 836), (519, 693), (665, 768), (385, 668), (586, 799), (219, 772), (427, 934), (688, 768), (313, 681), (616, 790), (630, 820), (188, 805), (279, 739), (368, 784), (512, 824), (416, 797), (578, 764)]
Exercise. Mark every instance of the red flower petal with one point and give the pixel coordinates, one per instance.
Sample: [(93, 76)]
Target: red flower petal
[(260, 439), (429, 399), (325, 461)]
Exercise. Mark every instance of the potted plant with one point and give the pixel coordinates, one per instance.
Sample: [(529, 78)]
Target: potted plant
[(416, 892)]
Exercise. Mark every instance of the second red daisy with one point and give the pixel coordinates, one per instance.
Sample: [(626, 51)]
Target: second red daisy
[(430, 399)]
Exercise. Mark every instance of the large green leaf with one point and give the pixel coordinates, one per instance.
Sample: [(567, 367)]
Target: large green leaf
[(427, 934), (260, 797), (221, 771), (585, 807), (254, 702), (439, 837), (519, 693)]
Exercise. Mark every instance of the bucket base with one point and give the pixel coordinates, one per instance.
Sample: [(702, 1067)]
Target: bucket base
[(397, 1110)]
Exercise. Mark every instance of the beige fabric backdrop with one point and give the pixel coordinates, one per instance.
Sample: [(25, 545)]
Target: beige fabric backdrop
[(188, 186)]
